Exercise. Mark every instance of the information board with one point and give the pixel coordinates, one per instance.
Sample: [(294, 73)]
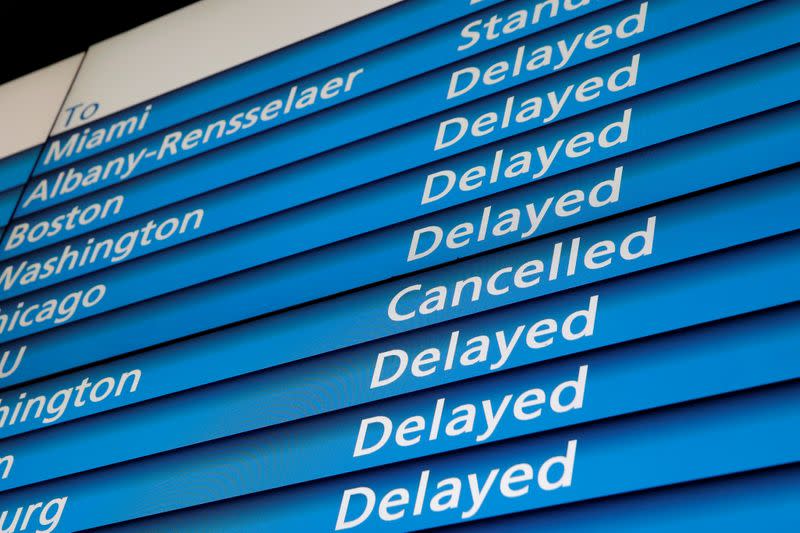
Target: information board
[(381, 265)]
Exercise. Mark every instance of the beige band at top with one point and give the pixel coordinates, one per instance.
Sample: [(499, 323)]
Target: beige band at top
[(196, 42), (29, 105)]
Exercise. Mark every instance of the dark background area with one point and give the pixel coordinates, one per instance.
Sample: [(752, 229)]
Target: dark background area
[(35, 34)]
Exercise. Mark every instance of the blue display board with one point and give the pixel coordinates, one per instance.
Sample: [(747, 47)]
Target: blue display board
[(390, 265)]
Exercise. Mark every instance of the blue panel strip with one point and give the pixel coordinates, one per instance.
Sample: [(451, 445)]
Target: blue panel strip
[(8, 199), (743, 502), (15, 169)]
